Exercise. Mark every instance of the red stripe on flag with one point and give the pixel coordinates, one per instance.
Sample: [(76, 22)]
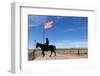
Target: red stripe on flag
[(48, 25)]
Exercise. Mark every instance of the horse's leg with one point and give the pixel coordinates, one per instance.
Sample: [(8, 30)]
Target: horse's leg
[(51, 53), (43, 53), (54, 52)]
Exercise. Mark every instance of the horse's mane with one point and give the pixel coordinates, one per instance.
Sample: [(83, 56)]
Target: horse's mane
[(40, 43)]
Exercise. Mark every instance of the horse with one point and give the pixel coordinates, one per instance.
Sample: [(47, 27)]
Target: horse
[(44, 47)]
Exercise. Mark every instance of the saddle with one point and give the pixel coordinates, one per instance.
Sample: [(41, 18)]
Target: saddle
[(47, 47)]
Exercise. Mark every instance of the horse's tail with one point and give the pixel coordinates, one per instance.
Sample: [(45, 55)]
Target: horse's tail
[(55, 47)]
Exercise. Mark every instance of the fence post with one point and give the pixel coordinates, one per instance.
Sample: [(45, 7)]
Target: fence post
[(78, 51)]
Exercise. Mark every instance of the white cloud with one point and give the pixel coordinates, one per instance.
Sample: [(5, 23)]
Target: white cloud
[(74, 29), (33, 25), (79, 43), (70, 44), (59, 17)]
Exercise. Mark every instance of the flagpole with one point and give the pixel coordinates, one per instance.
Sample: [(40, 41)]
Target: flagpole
[(46, 26), (43, 35)]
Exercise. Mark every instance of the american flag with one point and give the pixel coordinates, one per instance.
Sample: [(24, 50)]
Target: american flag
[(48, 25)]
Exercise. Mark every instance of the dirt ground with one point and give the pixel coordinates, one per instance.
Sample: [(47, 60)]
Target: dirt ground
[(36, 55)]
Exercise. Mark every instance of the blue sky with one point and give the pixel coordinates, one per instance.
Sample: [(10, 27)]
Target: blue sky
[(67, 31)]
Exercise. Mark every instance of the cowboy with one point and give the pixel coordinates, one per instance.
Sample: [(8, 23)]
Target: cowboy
[(47, 42)]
